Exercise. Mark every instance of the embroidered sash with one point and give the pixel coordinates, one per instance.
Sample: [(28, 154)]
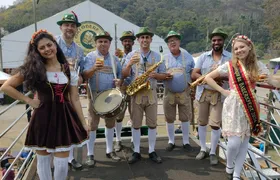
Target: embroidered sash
[(247, 97)]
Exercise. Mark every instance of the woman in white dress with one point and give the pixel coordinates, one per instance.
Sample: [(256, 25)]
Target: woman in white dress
[(240, 115)]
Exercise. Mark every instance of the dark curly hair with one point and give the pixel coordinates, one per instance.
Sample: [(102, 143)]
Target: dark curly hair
[(33, 69)]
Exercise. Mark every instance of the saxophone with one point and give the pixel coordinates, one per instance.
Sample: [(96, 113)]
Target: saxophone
[(141, 82)]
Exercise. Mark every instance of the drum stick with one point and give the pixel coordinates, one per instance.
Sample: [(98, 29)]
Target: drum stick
[(113, 63), (78, 70)]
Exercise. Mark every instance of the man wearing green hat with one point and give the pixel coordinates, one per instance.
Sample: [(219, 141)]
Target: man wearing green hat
[(100, 75), (74, 54), (72, 51), (138, 62), (210, 102), (127, 40), (179, 64)]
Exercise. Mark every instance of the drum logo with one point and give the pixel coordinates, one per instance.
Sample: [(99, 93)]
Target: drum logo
[(85, 35)]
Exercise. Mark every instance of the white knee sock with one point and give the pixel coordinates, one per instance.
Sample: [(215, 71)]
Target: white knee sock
[(170, 132), (118, 130), (136, 139), (109, 134), (215, 136), (44, 167), (131, 135), (202, 137), (233, 146), (240, 158), (152, 136), (71, 155), (60, 168), (185, 131), (90, 144)]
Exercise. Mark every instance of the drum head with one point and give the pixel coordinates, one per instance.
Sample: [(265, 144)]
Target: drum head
[(107, 101)]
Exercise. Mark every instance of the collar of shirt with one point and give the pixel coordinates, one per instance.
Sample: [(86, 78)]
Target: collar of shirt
[(145, 58), (69, 49), (224, 53), (105, 57), (176, 57)]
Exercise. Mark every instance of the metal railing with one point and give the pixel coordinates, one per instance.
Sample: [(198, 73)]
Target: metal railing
[(23, 166)]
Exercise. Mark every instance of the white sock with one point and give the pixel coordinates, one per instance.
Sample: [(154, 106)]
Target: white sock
[(152, 136), (118, 130), (71, 155), (241, 156), (44, 167), (90, 144), (185, 131), (60, 168), (215, 137), (233, 146), (202, 137), (109, 134), (131, 135), (136, 139), (170, 132)]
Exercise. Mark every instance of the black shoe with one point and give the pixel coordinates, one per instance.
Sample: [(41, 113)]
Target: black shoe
[(118, 146), (201, 155), (113, 156), (90, 162), (187, 148), (134, 158), (154, 157), (229, 175), (213, 159), (76, 165), (170, 147)]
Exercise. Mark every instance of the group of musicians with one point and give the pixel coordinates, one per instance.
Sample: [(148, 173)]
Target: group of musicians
[(177, 70)]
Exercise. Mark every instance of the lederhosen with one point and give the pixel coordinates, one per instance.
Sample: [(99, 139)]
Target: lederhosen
[(93, 118), (148, 97), (179, 98)]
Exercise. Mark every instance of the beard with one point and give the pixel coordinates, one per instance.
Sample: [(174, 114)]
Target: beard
[(217, 48), (128, 48)]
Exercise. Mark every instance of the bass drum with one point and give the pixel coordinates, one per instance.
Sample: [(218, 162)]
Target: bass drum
[(109, 104)]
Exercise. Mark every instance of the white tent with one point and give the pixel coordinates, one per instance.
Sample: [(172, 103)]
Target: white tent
[(14, 45), (3, 77), (274, 62)]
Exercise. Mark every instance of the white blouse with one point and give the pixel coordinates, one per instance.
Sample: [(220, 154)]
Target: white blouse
[(61, 78)]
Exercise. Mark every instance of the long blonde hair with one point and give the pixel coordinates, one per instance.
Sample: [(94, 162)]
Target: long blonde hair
[(250, 63)]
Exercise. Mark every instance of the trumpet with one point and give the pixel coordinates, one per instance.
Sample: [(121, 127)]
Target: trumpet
[(198, 81), (262, 78)]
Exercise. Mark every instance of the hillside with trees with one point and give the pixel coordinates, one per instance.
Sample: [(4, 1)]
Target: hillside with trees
[(194, 19)]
